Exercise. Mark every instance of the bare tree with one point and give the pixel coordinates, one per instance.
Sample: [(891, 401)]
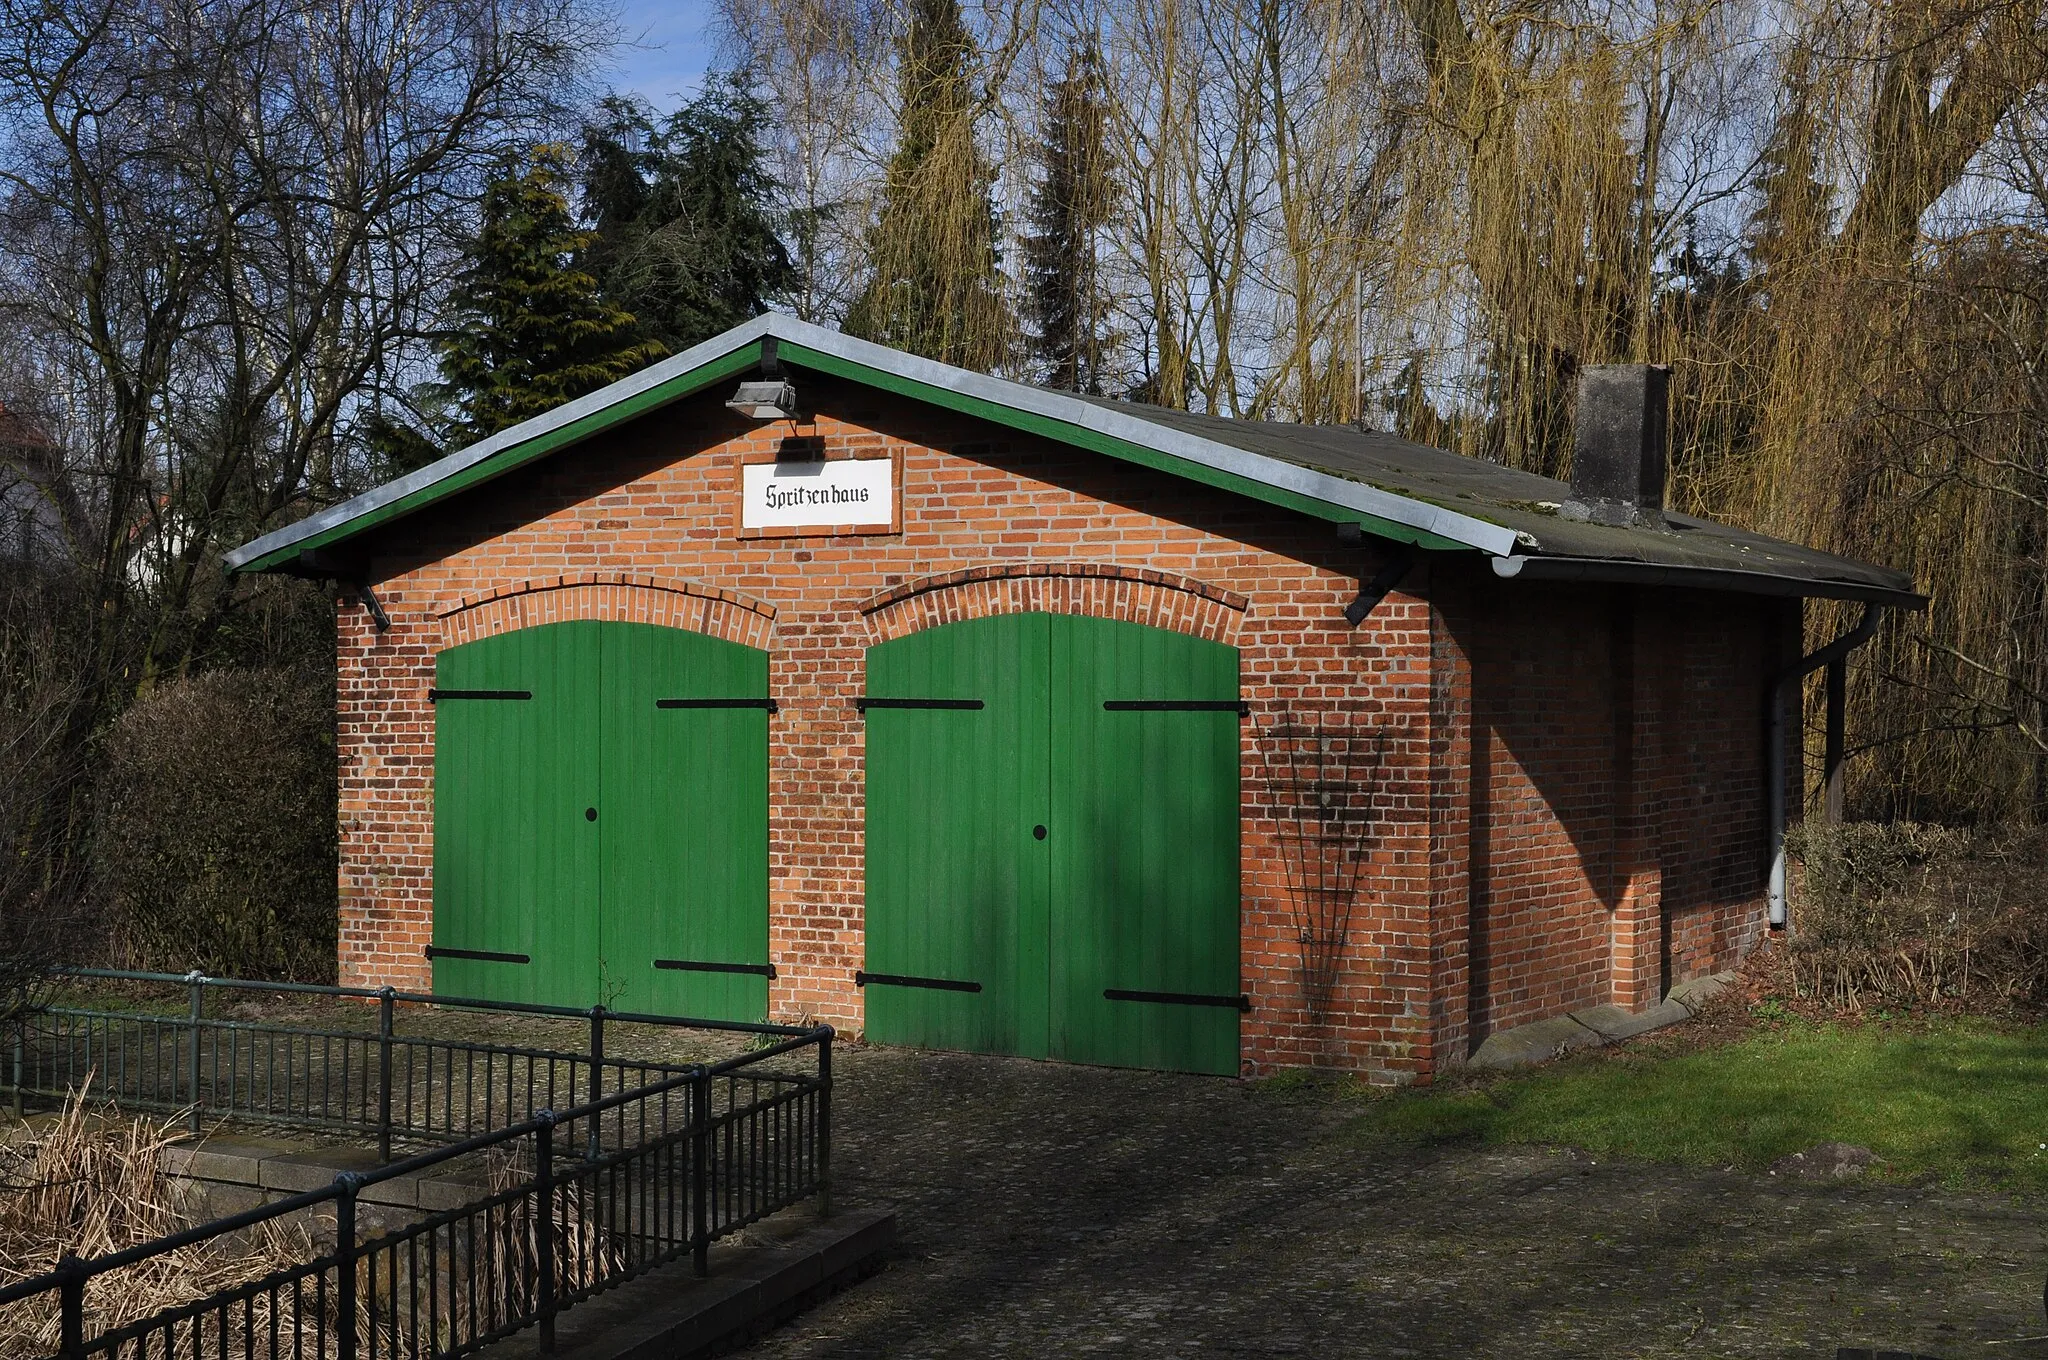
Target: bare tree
[(226, 224), (44, 896), (225, 228)]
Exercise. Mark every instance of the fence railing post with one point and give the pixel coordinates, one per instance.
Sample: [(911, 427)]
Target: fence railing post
[(596, 1079), (71, 1274), (345, 1185), (196, 981), (700, 1169), (544, 1224), (385, 1001), (825, 1123)]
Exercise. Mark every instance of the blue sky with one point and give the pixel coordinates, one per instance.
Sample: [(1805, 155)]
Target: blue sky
[(676, 44)]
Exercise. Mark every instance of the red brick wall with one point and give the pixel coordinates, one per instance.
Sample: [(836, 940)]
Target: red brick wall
[(641, 525), (1451, 817), (1711, 807), (1542, 802), (1615, 795)]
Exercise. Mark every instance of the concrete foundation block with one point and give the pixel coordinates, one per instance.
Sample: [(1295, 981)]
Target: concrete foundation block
[(1613, 1024), (1594, 1027), (1695, 993), (234, 1159), (1537, 1042), (773, 1271), (445, 1193), (316, 1168)]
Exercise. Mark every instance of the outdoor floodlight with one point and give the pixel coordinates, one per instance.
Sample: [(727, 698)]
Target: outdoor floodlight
[(773, 400)]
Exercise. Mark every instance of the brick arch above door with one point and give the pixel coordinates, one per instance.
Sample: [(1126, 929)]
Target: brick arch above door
[(610, 597), (1158, 599)]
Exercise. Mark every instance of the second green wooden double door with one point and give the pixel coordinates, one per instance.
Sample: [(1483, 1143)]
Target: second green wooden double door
[(601, 820), (1052, 842)]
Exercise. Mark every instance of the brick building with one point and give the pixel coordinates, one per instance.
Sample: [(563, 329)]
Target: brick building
[(972, 715)]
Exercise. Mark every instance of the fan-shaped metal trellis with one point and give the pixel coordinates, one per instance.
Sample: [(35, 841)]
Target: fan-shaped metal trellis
[(1324, 772)]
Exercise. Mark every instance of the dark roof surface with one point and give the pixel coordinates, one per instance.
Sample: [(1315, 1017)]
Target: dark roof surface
[(1528, 504)]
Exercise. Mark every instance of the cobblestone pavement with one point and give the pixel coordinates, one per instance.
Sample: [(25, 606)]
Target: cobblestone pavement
[(1049, 1210)]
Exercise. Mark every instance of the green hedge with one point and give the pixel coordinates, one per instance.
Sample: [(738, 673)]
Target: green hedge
[(217, 829)]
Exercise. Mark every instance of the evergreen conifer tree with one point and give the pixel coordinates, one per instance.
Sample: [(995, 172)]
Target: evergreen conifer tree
[(684, 214), (936, 284), (619, 156), (530, 329), (1068, 209)]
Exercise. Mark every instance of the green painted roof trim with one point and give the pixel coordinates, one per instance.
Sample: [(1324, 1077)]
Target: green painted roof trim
[(1058, 416), (1030, 422), (509, 458)]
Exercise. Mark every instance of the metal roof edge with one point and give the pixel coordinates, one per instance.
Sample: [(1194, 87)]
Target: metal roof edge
[(1058, 406), (1534, 568), (463, 459)]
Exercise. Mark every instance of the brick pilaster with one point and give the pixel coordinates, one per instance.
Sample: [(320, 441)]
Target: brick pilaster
[(1450, 823)]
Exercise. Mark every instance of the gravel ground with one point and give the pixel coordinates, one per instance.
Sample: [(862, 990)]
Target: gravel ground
[(1049, 1210)]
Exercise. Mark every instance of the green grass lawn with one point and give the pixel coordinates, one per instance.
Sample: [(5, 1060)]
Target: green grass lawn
[(1959, 1101)]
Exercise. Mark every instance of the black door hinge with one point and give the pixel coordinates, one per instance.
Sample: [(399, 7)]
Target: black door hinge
[(861, 979), (766, 970), (768, 704), (435, 951), (1240, 1002), (1237, 706), (865, 702)]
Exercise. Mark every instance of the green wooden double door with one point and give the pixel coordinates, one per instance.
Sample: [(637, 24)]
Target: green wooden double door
[(601, 820), (1052, 842)]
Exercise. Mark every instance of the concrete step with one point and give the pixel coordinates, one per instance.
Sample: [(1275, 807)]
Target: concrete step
[(764, 1277)]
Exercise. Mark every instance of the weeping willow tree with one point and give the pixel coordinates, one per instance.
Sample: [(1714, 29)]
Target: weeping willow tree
[(1829, 218), (935, 285), (1858, 372)]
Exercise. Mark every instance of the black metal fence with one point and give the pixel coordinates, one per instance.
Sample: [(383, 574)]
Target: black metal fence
[(423, 1086), (688, 1156)]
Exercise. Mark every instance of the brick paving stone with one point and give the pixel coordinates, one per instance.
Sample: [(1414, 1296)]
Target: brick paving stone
[(1051, 1210)]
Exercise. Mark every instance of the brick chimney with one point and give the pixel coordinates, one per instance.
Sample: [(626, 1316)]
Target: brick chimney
[(1618, 444)]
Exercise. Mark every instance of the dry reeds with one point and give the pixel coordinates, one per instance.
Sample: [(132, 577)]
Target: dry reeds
[(585, 1246), (94, 1182), (91, 1183)]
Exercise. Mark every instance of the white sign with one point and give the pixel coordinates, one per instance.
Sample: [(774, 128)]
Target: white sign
[(845, 491)]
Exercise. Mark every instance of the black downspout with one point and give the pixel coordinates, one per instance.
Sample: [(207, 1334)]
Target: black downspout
[(1835, 657)]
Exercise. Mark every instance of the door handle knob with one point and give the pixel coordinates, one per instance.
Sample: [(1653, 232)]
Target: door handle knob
[(590, 814), (1038, 831)]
